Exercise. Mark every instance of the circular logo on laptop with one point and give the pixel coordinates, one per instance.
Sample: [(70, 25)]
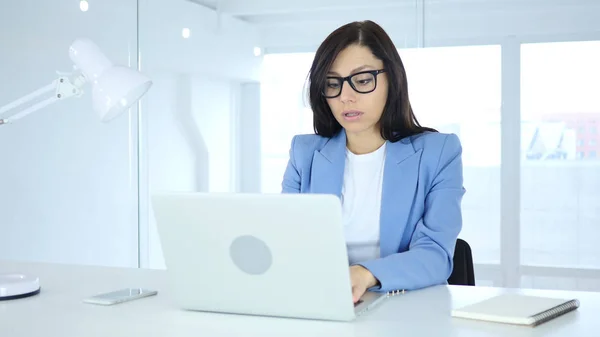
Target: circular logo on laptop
[(251, 255)]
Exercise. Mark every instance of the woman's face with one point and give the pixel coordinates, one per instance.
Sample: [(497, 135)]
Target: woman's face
[(358, 113)]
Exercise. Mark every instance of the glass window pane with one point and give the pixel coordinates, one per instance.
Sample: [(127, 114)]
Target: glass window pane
[(68, 190), (457, 90), (560, 200), (452, 89), (560, 283), (192, 120), (285, 112)]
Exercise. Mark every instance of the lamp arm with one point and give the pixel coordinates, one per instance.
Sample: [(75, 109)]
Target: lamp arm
[(27, 98), (29, 110), (63, 88)]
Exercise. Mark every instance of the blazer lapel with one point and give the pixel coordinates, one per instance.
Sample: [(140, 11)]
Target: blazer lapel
[(401, 173), (327, 173)]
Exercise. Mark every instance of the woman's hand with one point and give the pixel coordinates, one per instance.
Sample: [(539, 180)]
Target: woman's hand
[(361, 279)]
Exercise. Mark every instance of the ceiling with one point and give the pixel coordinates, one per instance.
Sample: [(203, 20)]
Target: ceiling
[(257, 11), (295, 25), (212, 4), (254, 10)]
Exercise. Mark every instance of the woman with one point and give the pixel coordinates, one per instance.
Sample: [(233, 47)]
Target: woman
[(400, 184)]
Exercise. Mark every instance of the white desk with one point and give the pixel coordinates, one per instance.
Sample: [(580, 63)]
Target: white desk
[(58, 311)]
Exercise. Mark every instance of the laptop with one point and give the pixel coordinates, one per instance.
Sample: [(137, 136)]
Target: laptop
[(280, 255)]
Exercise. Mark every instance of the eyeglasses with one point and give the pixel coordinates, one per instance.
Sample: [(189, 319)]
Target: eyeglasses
[(363, 83)]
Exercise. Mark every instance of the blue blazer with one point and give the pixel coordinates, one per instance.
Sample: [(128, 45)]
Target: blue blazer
[(420, 207)]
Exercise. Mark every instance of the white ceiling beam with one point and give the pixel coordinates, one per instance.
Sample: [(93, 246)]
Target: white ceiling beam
[(261, 7), (269, 7)]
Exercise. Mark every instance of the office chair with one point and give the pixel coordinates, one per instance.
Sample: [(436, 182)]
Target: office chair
[(463, 273)]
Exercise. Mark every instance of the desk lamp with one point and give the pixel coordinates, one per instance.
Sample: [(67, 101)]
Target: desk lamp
[(114, 90)]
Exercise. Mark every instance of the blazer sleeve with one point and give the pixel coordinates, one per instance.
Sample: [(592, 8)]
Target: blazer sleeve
[(429, 258), (291, 176)]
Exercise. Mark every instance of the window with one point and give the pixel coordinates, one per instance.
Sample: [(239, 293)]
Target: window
[(458, 90), (560, 283), (560, 201), (454, 90), (284, 112)]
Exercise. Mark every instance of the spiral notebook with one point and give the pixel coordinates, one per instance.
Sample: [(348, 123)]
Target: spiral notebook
[(517, 309)]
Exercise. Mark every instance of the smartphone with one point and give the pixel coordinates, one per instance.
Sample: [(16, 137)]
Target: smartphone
[(120, 296)]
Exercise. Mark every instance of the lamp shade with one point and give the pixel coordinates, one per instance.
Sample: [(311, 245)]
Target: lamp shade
[(117, 89), (114, 88)]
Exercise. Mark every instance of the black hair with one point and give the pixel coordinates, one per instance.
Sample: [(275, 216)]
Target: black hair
[(397, 120)]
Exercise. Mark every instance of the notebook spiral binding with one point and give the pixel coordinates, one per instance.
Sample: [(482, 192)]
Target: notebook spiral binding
[(555, 312)]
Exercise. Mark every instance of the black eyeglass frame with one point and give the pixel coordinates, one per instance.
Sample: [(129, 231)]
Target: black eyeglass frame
[(348, 79)]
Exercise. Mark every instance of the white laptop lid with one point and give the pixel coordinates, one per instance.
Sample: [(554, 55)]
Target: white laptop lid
[(262, 254)]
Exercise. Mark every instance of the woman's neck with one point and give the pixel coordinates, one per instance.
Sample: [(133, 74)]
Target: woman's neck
[(365, 142)]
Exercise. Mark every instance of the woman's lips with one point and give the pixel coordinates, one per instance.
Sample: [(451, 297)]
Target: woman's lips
[(352, 115)]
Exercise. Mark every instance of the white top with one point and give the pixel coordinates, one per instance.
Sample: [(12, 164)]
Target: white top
[(361, 203), (59, 311)]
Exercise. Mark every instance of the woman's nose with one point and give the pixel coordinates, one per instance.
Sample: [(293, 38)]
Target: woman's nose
[(348, 94)]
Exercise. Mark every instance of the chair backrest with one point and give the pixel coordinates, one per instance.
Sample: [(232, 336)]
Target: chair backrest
[(463, 273)]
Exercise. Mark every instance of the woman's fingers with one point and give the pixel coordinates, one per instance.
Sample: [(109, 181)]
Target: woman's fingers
[(357, 292)]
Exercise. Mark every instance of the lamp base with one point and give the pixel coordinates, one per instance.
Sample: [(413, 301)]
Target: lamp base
[(15, 286)]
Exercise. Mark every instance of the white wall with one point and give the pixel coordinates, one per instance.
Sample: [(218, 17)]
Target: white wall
[(213, 111), (249, 140), (219, 45), (192, 139), (189, 125), (173, 146), (68, 183)]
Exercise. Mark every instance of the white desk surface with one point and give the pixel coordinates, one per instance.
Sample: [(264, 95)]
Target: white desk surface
[(58, 311)]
